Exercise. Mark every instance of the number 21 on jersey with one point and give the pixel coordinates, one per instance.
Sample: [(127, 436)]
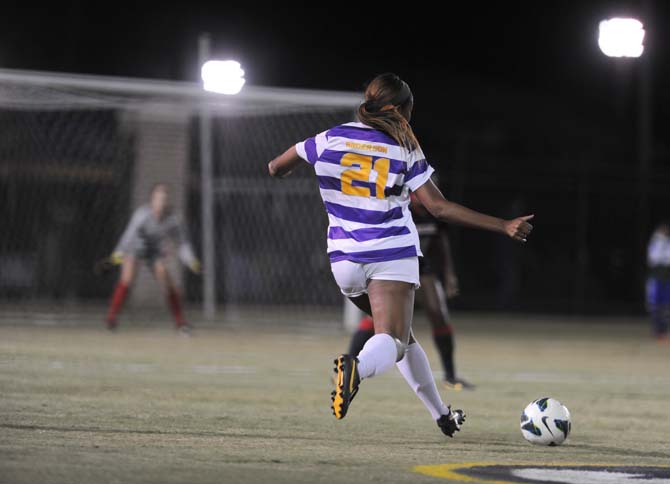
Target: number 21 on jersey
[(364, 166)]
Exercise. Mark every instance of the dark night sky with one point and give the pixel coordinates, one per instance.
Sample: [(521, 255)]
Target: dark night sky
[(544, 48), (532, 44)]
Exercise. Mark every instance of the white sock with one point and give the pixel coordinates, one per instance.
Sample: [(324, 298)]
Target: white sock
[(416, 371), (377, 356)]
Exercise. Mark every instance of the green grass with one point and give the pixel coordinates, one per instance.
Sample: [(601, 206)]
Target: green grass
[(239, 404)]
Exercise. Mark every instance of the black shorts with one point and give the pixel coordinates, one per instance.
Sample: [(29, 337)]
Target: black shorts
[(432, 262), (149, 254), (429, 266)]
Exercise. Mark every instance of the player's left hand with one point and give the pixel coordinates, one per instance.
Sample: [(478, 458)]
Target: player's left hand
[(519, 228)]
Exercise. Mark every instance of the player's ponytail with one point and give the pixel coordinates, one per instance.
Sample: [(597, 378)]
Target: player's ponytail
[(385, 98)]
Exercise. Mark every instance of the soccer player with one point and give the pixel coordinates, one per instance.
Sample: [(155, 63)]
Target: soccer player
[(658, 282), (366, 171), (146, 238), (435, 266)]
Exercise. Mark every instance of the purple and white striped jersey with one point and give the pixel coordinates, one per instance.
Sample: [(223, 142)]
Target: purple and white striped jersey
[(365, 179)]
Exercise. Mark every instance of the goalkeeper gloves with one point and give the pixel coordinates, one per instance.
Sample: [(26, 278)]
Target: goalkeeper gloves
[(105, 265)]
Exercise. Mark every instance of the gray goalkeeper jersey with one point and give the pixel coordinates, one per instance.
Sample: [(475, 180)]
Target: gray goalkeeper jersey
[(146, 234)]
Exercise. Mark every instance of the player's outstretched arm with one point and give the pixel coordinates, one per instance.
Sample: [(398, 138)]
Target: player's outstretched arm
[(431, 198), (285, 163)]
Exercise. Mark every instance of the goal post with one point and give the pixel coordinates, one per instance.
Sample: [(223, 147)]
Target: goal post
[(78, 154)]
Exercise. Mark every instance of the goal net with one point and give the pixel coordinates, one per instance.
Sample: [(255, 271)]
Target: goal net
[(78, 154)]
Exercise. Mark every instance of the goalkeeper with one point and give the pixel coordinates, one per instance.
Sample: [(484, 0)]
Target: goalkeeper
[(147, 238)]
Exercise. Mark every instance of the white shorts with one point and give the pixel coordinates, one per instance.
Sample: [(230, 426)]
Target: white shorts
[(353, 277)]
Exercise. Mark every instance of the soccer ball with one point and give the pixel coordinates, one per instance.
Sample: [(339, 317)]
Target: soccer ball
[(545, 421)]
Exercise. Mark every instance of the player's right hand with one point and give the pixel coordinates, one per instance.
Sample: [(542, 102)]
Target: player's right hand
[(105, 265), (519, 228)]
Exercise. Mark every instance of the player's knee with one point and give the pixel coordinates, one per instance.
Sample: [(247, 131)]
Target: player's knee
[(159, 271), (127, 277), (435, 316)]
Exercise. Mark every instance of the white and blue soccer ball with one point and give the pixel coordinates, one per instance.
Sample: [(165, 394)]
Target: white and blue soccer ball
[(545, 421)]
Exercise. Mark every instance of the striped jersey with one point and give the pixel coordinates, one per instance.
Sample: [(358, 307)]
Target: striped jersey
[(365, 179)]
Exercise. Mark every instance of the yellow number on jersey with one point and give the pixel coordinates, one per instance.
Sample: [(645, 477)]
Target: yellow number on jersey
[(382, 166), (362, 173)]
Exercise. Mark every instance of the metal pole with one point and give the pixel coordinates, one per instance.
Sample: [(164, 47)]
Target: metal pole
[(251, 94), (644, 150), (207, 196)]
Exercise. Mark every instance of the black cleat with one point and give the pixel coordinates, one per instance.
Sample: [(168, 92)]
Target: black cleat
[(346, 384), (449, 424)]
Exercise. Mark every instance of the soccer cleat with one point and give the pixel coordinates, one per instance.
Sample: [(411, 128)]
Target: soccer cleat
[(457, 384), (185, 329), (451, 423), (111, 325), (346, 385)]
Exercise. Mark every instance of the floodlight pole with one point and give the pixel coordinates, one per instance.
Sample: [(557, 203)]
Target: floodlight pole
[(643, 145), (644, 150), (207, 196)]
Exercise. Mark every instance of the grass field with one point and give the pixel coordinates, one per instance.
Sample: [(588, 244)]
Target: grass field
[(251, 404)]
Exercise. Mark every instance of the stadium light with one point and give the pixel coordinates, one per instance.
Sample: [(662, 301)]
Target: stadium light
[(224, 77), (624, 37), (621, 37)]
